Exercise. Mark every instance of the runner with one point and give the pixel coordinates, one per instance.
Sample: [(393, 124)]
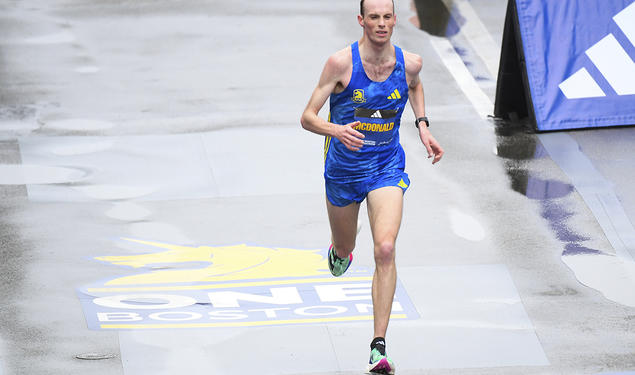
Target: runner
[(369, 84)]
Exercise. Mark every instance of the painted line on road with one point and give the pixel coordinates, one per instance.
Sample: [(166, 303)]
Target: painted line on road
[(466, 82), (476, 33), (249, 324), (231, 285)]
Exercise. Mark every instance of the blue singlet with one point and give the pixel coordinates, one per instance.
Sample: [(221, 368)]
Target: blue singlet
[(351, 175)]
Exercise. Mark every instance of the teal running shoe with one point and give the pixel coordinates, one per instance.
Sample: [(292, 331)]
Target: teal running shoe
[(380, 364), (338, 266)]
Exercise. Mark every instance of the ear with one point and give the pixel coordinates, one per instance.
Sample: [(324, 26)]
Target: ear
[(360, 19)]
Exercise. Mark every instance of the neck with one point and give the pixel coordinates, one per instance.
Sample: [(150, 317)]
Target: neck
[(375, 52)]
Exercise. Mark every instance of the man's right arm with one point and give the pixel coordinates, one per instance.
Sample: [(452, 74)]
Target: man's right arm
[(334, 69)]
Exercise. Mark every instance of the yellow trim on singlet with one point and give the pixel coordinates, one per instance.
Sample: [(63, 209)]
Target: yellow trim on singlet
[(327, 141)]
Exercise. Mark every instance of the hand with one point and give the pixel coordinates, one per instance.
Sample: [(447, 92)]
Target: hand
[(432, 146), (350, 137)]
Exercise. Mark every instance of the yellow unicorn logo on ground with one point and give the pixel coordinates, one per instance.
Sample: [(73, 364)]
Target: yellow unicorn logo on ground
[(217, 264), (194, 286)]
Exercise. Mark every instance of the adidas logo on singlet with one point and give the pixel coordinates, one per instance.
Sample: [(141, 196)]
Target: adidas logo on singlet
[(377, 114), (395, 95)]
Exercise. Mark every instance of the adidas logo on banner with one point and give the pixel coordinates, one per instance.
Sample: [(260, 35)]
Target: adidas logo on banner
[(611, 60), (377, 114), (395, 95)]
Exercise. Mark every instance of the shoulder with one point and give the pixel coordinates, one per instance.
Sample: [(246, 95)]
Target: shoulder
[(338, 68), (413, 62), (340, 62)]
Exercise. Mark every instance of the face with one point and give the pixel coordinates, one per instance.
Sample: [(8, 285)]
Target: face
[(378, 20)]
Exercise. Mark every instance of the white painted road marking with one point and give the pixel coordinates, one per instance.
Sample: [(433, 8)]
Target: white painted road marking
[(466, 82)]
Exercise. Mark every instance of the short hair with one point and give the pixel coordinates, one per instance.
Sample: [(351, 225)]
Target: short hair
[(361, 7)]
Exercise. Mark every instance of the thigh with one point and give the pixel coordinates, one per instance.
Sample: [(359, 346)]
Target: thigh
[(343, 221), (385, 206)]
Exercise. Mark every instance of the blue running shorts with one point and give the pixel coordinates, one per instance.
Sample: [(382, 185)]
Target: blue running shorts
[(344, 191)]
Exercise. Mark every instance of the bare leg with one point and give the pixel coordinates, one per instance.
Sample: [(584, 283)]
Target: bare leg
[(343, 221), (384, 211)]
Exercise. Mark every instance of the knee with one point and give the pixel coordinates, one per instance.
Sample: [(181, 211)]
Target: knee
[(385, 252)]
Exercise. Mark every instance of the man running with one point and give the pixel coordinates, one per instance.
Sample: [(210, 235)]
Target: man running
[(369, 84)]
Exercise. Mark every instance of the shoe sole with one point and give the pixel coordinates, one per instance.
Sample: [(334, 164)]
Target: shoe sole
[(328, 254), (328, 260), (382, 367)]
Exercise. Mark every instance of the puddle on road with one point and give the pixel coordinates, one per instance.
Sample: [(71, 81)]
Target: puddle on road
[(606, 273), (114, 192), (128, 211), (87, 69), (82, 148), (63, 37), (159, 231), (25, 174), (79, 125), (466, 226), (517, 146)]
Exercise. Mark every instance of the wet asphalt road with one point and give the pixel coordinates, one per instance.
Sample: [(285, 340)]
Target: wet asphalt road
[(177, 123)]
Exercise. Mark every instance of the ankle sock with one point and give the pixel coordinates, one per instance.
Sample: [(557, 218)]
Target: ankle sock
[(379, 343)]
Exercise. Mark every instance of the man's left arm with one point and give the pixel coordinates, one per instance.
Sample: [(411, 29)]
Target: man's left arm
[(417, 102)]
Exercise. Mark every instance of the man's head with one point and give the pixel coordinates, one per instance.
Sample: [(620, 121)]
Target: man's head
[(377, 17), (361, 7)]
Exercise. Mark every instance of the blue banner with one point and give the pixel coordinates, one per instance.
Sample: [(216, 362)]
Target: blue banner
[(579, 59)]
